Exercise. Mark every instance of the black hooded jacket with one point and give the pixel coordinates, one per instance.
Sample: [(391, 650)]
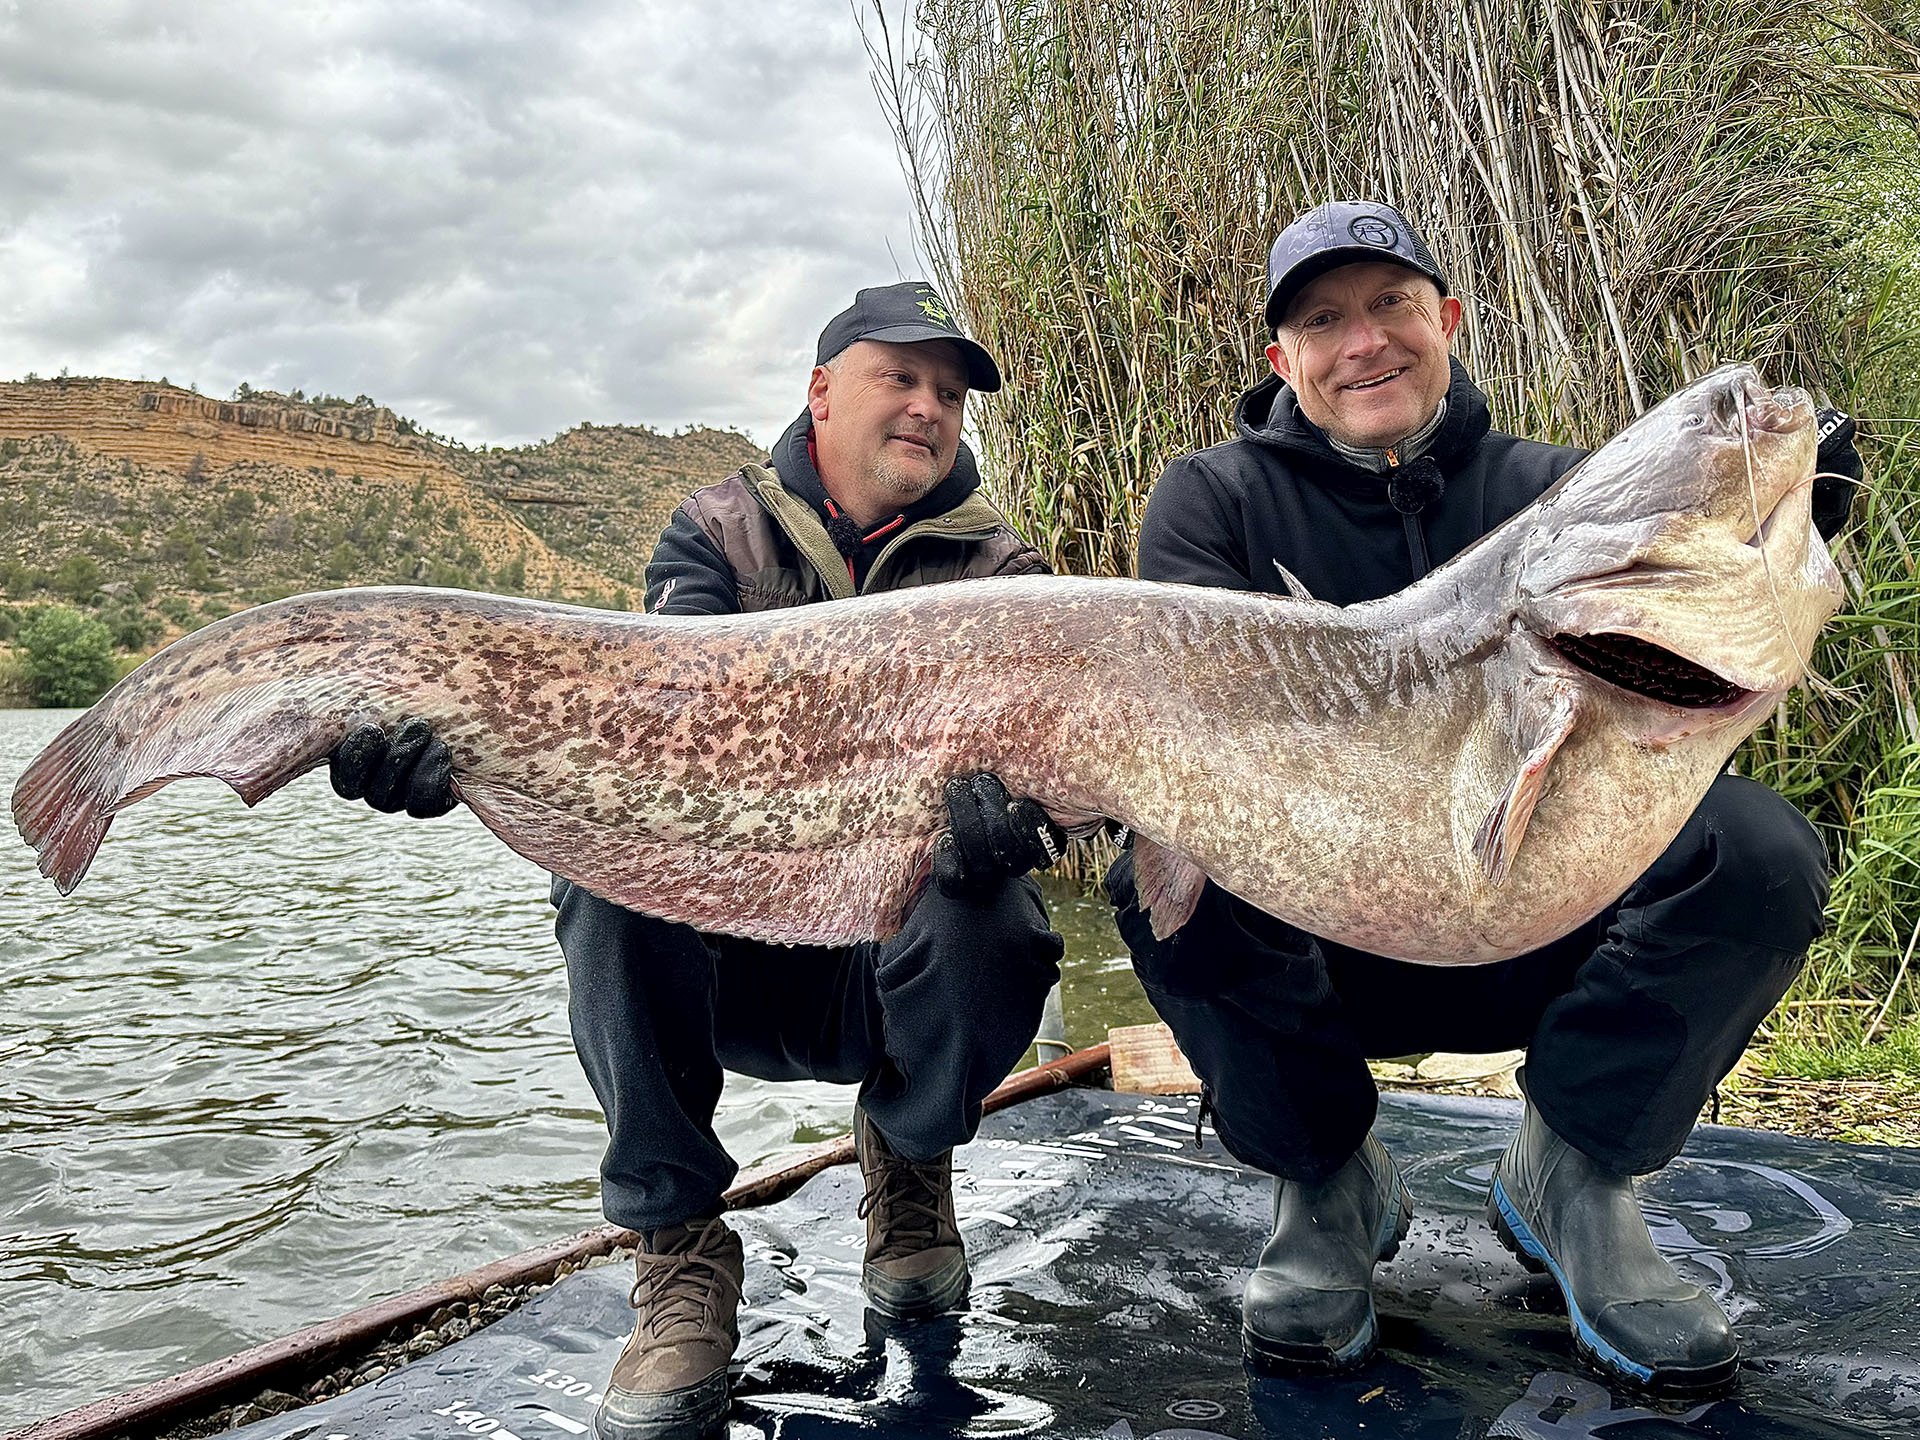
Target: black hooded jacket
[(1280, 496)]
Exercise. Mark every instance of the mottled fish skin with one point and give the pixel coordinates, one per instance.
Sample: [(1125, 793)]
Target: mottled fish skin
[(1369, 773)]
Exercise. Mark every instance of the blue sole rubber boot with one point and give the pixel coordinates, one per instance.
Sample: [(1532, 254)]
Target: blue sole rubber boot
[(1686, 1350)]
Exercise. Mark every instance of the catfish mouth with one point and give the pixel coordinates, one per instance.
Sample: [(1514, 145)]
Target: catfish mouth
[(1647, 670)]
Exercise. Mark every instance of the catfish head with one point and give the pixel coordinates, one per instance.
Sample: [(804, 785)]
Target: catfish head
[(1679, 562)]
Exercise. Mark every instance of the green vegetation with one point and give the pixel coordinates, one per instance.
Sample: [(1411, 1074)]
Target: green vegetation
[(14, 694), (603, 493), (153, 548), (65, 657), (1897, 1053), (1624, 193)]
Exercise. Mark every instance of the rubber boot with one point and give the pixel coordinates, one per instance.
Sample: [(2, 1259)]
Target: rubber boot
[(1633, 1318), (670, 1381), (1309, 1301), (915, 1265)]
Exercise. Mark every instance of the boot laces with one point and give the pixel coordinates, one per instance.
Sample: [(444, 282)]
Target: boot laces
[(684, 1289), (908, 1198)]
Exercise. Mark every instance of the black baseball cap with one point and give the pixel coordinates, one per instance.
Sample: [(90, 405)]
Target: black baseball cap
[(905, 313), (1340, 233)]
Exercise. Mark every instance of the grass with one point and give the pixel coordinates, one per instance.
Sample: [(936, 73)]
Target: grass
[(1895, 1055)]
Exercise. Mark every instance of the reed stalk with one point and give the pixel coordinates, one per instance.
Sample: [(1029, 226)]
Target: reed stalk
[(1623, 192)]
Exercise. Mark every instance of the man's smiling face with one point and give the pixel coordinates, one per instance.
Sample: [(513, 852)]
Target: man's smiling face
[(1365, 349)]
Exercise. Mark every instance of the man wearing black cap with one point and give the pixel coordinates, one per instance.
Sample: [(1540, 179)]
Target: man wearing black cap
[(1363, 462), (870, 489)]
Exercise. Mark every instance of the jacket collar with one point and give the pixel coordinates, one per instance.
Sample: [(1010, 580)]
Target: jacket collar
[(1269, 414), (792, 461)]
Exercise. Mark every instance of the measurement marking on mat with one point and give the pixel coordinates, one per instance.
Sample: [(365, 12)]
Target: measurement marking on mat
[(476, 1422), (562, 1422), (1127, 1124), (999, 1217), (1135, 1133), (1033, 1182), (787, 1317), (828, 1283)]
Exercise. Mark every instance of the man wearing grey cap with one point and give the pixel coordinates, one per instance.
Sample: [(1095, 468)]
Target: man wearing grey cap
[(1365, 460), (871, 488)]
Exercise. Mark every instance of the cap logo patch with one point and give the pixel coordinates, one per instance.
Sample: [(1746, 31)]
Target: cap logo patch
[(1372, 230), (933, 309)]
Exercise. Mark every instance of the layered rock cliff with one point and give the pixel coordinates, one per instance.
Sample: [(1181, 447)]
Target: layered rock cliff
[(162, 508)]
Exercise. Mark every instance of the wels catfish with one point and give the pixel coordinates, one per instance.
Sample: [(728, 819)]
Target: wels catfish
[(1453, 774)]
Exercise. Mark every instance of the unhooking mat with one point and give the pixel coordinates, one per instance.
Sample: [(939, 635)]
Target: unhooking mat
[(1108, 1255)]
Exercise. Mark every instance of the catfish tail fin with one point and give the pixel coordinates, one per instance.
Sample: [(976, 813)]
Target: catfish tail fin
[(255, 740)]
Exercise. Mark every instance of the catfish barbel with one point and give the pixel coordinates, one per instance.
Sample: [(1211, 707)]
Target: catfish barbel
[(1452, 774)]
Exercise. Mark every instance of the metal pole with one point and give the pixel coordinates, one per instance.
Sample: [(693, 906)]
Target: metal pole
[(1051, 1043)]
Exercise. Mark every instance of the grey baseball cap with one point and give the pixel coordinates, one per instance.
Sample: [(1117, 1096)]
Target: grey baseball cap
[(906, 314), (1340, 233)]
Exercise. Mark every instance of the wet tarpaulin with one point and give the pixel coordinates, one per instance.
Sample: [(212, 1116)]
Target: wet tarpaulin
[(1108, 1255)]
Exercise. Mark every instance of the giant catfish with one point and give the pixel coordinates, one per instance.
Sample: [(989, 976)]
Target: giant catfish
[(1453, 774)]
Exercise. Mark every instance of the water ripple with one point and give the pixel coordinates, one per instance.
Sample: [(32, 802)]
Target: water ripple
[(264, 1067)]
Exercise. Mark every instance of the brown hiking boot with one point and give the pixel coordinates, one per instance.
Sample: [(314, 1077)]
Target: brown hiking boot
[(670, 1382), (915, 1266)]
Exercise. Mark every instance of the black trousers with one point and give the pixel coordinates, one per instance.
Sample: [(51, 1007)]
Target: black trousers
[(926, 1025), (1628, 1023)]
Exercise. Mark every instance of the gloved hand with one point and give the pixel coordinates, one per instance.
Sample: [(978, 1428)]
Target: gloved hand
[(410, 770), (991, 836), (1836, 457)]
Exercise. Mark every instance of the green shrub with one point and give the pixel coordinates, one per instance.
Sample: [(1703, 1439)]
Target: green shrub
[(13, 682), (132, 627), (78, 578), (182, 544), (67, 657)]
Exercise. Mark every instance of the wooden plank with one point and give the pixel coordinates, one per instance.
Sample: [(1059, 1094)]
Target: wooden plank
[(1147, 1061)]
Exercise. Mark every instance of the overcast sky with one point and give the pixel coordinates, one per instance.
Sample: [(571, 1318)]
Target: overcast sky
[(500, 218)]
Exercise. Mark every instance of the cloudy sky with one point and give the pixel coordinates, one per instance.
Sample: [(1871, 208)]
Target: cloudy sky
[(500, 218)]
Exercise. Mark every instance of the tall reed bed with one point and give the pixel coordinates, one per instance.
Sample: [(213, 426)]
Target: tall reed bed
[(1623, 192)]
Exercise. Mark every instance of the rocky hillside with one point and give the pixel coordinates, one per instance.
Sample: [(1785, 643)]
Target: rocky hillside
[(602, 493), (160, 509)]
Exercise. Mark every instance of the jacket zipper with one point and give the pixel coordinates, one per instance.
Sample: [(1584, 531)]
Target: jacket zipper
[(1410, 524)]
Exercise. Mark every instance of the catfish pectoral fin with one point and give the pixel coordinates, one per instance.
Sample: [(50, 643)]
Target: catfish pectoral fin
[(1168, 885), (1499, 836)]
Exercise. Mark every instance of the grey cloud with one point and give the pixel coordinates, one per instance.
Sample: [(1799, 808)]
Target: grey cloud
[(501, 219)]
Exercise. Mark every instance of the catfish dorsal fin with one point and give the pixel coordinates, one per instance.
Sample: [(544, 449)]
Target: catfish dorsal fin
[(1167, 884), (1295, 587), (1550, 720)]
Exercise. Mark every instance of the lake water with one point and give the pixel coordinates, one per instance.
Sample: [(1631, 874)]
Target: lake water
[(266, 1066)]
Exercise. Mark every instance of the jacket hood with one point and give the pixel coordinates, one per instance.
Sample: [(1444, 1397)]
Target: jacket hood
[(793, 463), (1269, 414)]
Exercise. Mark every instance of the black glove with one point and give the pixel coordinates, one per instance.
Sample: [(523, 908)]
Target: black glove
[(410, 770), (991, 837), (1840, 472)]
